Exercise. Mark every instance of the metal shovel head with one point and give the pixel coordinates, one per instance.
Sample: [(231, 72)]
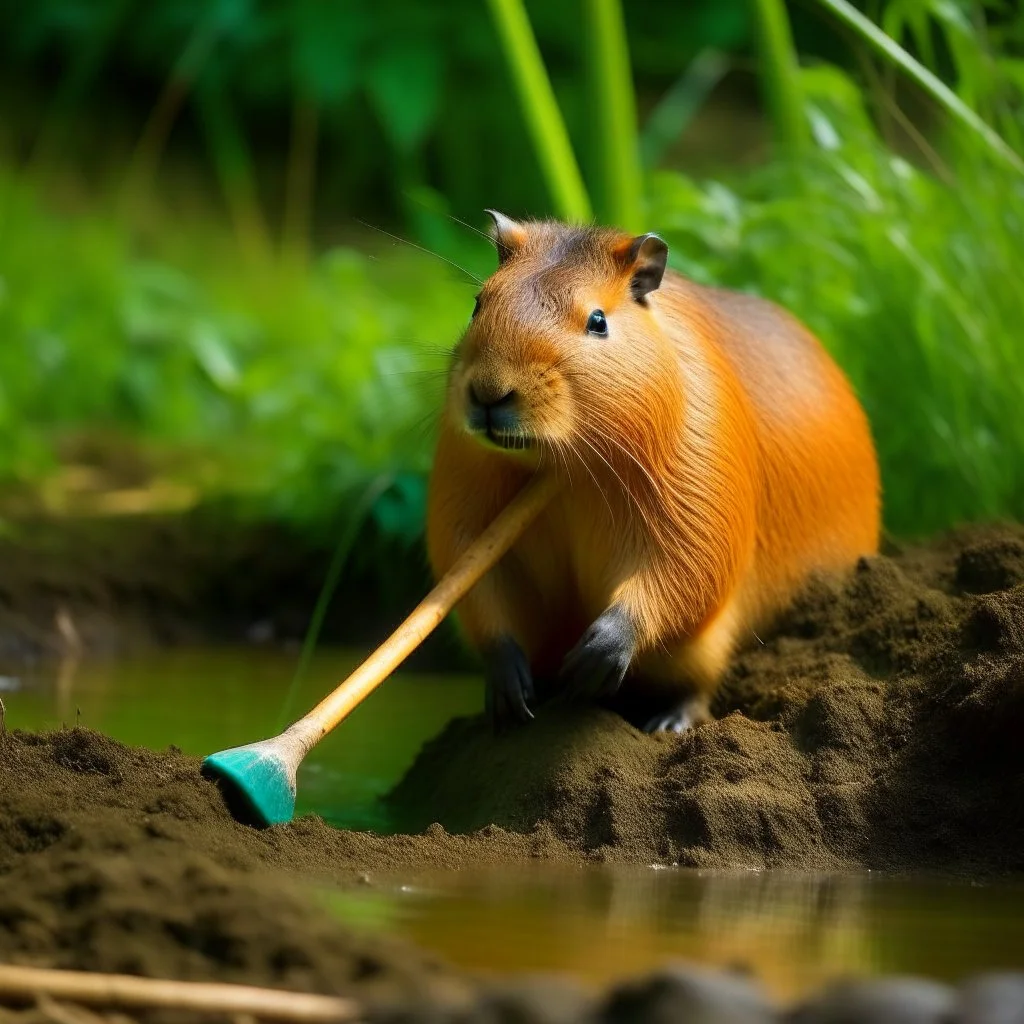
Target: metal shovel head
[(257, 781)]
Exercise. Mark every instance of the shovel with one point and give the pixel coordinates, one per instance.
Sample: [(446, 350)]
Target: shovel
[(258, 780)]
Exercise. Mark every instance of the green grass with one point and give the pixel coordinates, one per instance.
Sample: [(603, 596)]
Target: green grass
[(941, 93), (286, 391), (912, 283), (544, 120), (780, 78), (615, 141), (292, 393)]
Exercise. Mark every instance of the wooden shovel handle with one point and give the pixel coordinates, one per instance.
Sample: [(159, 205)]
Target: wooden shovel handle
[(474, 562)]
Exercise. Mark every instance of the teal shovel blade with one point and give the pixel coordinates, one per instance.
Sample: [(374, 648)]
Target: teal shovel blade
[(258, 784)]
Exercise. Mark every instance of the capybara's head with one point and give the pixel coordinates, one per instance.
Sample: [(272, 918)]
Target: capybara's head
[(564, 355)]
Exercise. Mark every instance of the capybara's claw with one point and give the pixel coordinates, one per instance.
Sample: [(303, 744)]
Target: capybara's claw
[(596, 666), (508, 685), (680, 718)]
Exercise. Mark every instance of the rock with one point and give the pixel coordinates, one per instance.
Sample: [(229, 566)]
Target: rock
[(992, 999), (523, 1000), (878, 1001), (533, 1001), (689, 995)]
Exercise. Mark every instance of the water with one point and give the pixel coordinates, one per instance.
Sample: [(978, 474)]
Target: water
[(207, 700), (794, 930)]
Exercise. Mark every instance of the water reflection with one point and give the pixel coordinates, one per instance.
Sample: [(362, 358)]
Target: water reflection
[(205, 700), (793, 930)]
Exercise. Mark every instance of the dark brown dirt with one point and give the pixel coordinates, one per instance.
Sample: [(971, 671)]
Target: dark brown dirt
[(878, 724), (113, 584), (125, 860), (121, 859)]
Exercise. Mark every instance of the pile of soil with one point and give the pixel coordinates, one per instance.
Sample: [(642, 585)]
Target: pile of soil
[(877, 725), (127, 860), (124, 860)]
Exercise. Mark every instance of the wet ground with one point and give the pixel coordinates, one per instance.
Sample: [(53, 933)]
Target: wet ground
[(875, 727)]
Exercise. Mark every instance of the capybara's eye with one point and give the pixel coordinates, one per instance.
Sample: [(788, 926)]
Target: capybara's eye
[(597, 323), (476, 306)]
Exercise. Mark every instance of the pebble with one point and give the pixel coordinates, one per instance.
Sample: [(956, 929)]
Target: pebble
[(684, 995), (534, 1001), (878, 1001), (992, 999)]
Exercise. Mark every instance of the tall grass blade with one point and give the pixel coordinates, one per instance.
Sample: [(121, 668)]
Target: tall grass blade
[(544, 119), (157, 129), (354, 522), (300, 182), (935, 88), (780, 75), (235, 169), (610, 83)]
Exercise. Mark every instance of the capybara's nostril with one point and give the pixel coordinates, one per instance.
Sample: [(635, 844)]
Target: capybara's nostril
[(491, 409), (503, 415)]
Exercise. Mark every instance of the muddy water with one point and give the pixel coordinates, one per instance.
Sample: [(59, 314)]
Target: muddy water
[(792, 929), (207, 700)]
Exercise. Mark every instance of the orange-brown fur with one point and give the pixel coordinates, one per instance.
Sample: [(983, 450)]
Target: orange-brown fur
[(712, 457)]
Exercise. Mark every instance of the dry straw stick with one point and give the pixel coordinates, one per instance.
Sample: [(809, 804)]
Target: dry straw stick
[(26, 984)]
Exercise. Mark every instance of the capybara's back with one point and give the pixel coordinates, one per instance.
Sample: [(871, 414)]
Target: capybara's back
[(818, 488)]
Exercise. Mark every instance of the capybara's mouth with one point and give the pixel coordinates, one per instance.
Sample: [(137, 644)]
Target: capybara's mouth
[(510, 440)]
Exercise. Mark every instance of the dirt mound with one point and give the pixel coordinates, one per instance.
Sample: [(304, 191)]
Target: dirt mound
[(878, 724), (121, 860), (126, 860)]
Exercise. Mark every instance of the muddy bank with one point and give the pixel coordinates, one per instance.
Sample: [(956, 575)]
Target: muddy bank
[(125, 860), (114, 584), (878, 724)]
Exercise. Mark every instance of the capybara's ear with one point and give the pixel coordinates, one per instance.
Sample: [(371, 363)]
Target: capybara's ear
[(644, 257), (508, 235)]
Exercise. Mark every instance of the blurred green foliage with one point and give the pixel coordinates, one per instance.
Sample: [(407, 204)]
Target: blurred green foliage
[(406, 92), (287, 390), (297, 385)]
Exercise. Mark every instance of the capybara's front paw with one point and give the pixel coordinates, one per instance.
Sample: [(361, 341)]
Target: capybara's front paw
[(682, 717), (596, 666), (508, 684)]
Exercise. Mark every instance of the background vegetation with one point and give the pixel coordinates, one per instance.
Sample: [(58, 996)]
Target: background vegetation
[(193, 306)]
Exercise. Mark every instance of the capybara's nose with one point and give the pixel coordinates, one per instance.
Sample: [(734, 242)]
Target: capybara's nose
[(489, 394), (492, 409)]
